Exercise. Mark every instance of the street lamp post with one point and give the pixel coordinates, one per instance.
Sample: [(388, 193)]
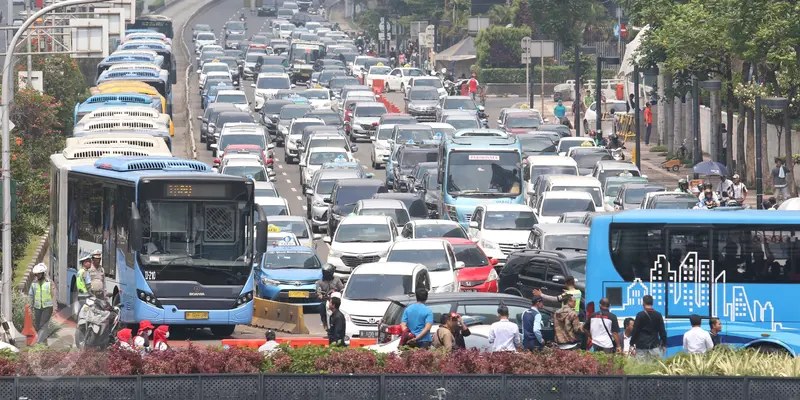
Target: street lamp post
[(773, 103), (598, 91), (637, 152), (5, 105)]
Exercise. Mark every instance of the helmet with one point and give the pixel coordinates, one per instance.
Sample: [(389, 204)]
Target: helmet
[(707, 186), (327, 271), (97, 254), (85, 257), (39, 268), (444, 70), (682, 182)]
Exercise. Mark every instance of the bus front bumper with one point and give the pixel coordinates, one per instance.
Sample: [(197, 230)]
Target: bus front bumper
[(171, 315)]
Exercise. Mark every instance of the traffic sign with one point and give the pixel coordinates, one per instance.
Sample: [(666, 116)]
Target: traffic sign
[(616, 30), (623, 30)]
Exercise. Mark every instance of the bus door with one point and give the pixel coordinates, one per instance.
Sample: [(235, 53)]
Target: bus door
[(687, 270)]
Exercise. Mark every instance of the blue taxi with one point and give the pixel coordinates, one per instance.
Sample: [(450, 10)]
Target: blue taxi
[(289, 274)]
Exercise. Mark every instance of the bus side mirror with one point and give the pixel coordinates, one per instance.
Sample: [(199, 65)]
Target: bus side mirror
[(261, 237), (136, 228)]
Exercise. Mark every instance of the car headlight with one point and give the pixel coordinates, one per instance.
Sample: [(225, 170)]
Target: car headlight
[(381, 146), (334, 253), (488, 245), (413, 107), (450, 287), (269, 282), (492, 275), (451, 212)]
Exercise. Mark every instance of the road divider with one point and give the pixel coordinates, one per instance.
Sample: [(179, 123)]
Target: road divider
[(282, 317), (390, 107), (293, 342)]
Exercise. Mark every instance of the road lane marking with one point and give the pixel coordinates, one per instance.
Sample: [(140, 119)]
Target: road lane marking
[(288, 181), (284, 173), (305, 208), (280, 166), (300, 198), (293, 189)]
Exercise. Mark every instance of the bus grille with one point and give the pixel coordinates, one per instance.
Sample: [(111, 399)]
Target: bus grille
[(130, 113), (106, 153), (160, 164), (124, 99), (116, 124), (120, 141)]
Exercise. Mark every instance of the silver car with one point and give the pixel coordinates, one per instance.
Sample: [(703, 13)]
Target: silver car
[(320, 190), (297, 225)]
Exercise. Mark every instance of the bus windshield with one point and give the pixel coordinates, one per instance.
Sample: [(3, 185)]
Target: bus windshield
[(306, 53), (483, 173)]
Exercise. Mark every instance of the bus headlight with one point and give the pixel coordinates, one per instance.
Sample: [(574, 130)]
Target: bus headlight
[(451, 212), (148, 298), (244, 299)]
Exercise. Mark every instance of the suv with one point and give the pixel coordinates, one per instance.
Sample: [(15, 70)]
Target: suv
[(542, 269), (364, 120), (421, 103), (295, 135), (482, 305), (344, 196), (501, 228), (319, 190), (362, 239), (407, 159), (267, 86)]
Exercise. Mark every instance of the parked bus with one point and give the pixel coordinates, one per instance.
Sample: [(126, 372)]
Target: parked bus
[(157, 23), (478, 166), (302, 56), (157, 79), (160, 48), (132, 87), (739, 266), (145, 113), (139, 56), (176, 238), (98, 101)]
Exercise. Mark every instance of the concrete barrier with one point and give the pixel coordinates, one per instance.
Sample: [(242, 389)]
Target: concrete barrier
[(282, 317)]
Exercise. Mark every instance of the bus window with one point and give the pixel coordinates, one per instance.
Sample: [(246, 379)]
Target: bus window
[(634, 249), (767, 254)]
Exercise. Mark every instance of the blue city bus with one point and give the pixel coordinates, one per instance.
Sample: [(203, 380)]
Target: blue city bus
[(127, 58), (114, 100), (740, 266), (157, 79), (163, 49), (478, 166), (152, 22), (177, 239)]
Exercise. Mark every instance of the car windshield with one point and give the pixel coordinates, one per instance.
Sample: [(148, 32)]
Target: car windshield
[(277, 82), (235, 26), (635, 195), (464, 123), (428, 82), (291, 260), (352, 194), (232, 98), (371, 62), (470, 255), (412, 72), (414, 136), (298, 228), (256, 172), (211, 55), (274, 61), (605, 173), (592, 190), (675, 204), (537, 144), (227, 140), (380, 70), (444, 131), (412, 158), (377, 286), (432, 182), (274, 209), (612, 189), (325, 186), (322, 157), (271, 192), (330, 118), (206, 36), (287, 27), (273, 108), (526, 122), (236, 37), (571, 241), (224, 118), (385, 133), (565, 145), (484, 173), (363, 233), (297, 127), (328, 142), (215, 68), (539, 170), (370, 111), (509, 220), (212, 90), (588, 160), (556, 207), (439, 230), (342, 81), (459, 104), (230, 63), (316, 94), (327, 75), (434, 259), (293, 112), (424, 94), (399, 215)]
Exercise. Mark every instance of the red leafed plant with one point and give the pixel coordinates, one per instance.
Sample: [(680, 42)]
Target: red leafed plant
[(350, 361)]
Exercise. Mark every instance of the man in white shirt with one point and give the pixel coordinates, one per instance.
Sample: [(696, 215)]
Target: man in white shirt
[(270, 345), (724, 187), (627, 330), (738, 189), (504, 334), (697, 340)]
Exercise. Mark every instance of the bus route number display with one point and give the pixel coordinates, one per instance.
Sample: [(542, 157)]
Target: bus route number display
[(187, 190)]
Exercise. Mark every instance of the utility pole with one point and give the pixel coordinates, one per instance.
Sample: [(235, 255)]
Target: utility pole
[(578, 103)]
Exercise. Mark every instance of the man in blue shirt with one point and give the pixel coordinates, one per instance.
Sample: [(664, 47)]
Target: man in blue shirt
[(532, 326), (418, 319), (560, 112)]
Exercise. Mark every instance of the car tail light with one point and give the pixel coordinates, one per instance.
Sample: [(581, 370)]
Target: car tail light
[(270, 161), (392, 332)]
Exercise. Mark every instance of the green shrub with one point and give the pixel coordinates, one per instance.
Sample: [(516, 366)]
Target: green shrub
[(659, 149), (498, 46)]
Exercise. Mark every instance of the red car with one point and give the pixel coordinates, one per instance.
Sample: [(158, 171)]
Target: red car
[(246, 148), (478, 274)]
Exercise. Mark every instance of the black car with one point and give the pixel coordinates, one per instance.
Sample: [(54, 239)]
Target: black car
[(338, 82), (331, 118), (563, 130), (323, 63), (270, 113), (407, 158), (344, 196), (587, 157), (415, 205), (478, 305), (210, 116), (542, 269), (268, 11), (418, 171), (431, 191)]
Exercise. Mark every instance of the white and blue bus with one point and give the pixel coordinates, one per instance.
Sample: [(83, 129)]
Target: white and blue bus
[(176, 238), (740, 266)]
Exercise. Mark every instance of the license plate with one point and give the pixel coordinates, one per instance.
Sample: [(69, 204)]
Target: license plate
[(368, 334), (196, 315), (469, 290), (298, 294), (305, 75)]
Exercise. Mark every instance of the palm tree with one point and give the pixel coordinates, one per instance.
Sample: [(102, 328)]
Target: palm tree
[(502, 14)]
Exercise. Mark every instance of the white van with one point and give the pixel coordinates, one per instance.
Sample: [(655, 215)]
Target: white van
[(544, 165), (585, 184)]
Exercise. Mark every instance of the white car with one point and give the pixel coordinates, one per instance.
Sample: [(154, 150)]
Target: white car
[(380, 145), (392, 208), (265, 189), (267, 86), (318, 98), (284, 30), (427, 81), (204, 39), (358, 64), (359, 239), (364, 297), (365, 120), (215, 68), (272, 206), (281, 239), (377, 72), (246, 168), (432, 228), (296, 225), (235, 97), (551, 205), (399, 77), (436, 255), (441, 129), (316, 156), (294, 133), (569, 142), (501, 229)]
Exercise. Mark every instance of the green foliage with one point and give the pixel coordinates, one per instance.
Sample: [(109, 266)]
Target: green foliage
[(499, 47), (502, 14), (658, 149), (523, 15), (156, 4), (552, 74), (566, 20)]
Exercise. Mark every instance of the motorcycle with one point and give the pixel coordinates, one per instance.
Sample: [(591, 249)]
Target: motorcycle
[(618, 154), (484, 118), (98, 323)]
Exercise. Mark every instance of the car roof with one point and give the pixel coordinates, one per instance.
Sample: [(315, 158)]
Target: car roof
[(566, 194), (231, 91), (505, 207), (298, 218), (388, 268), (307, 119), (419, 244), (272, 201), (411, 126), (573, 180), (327, 149), (614, 164), (365, 219), (562, 228), (433, 222), (456, 296), (369, 104), (243, 162), (381, 203), (360, 181)]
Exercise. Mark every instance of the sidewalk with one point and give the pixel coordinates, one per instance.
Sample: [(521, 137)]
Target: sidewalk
[(336, 16)]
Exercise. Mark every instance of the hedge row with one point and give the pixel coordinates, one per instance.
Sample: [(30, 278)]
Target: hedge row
[(552, 74)]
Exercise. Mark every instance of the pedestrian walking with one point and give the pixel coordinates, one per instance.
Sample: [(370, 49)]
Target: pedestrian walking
[(42, 293), (631, 104), (779, 180), (603, 328), (271, 344), (326, 286), (337, 326), (716, 328), (697, 340), (504, 334), (444, 338), (627, 329), (160, 336), (473, 86), (418, 319), (649, 336), (568, 326), (648, 122), (532, 339), (97, 276)]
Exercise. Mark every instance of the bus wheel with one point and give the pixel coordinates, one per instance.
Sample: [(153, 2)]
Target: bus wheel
[(768, 348), (223, 330)]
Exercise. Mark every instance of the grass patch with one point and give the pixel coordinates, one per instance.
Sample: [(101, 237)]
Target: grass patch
[(30, 250), (658, 149)]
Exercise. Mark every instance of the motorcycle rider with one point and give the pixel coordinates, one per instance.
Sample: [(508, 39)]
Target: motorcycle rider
[(683, 186), (42, 293), (325, 287), (708, 199), (160, 337), (561, 112), (706, 186), (738, 189)]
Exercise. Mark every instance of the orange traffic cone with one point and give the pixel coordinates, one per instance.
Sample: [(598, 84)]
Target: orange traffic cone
[(27, 328)]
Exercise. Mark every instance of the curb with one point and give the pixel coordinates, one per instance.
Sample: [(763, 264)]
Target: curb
[(41, 249)]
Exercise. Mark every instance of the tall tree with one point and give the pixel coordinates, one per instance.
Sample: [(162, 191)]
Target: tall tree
[(565, 20), (523, 16)]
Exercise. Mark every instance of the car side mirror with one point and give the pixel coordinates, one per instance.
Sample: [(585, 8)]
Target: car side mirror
[(558, 278), (309, 192), (353, 148), (499, 122), (328, 201), (261, 236), (198, 71), (293, 86), (252, 85), (493, 261), (460, 265), (214, 146), (200, 117), (317, 236), (136, 228), (473, 224), (617, 202), (270, 146), (327, 239)]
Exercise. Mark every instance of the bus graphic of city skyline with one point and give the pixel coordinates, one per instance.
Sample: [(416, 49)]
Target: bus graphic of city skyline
[(690, 287)]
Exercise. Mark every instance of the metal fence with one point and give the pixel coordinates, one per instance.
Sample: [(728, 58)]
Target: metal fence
[(397, 387)]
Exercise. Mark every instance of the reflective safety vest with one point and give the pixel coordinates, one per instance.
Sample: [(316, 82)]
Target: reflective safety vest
[(42, 296), (81, 281), (576, 294)]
